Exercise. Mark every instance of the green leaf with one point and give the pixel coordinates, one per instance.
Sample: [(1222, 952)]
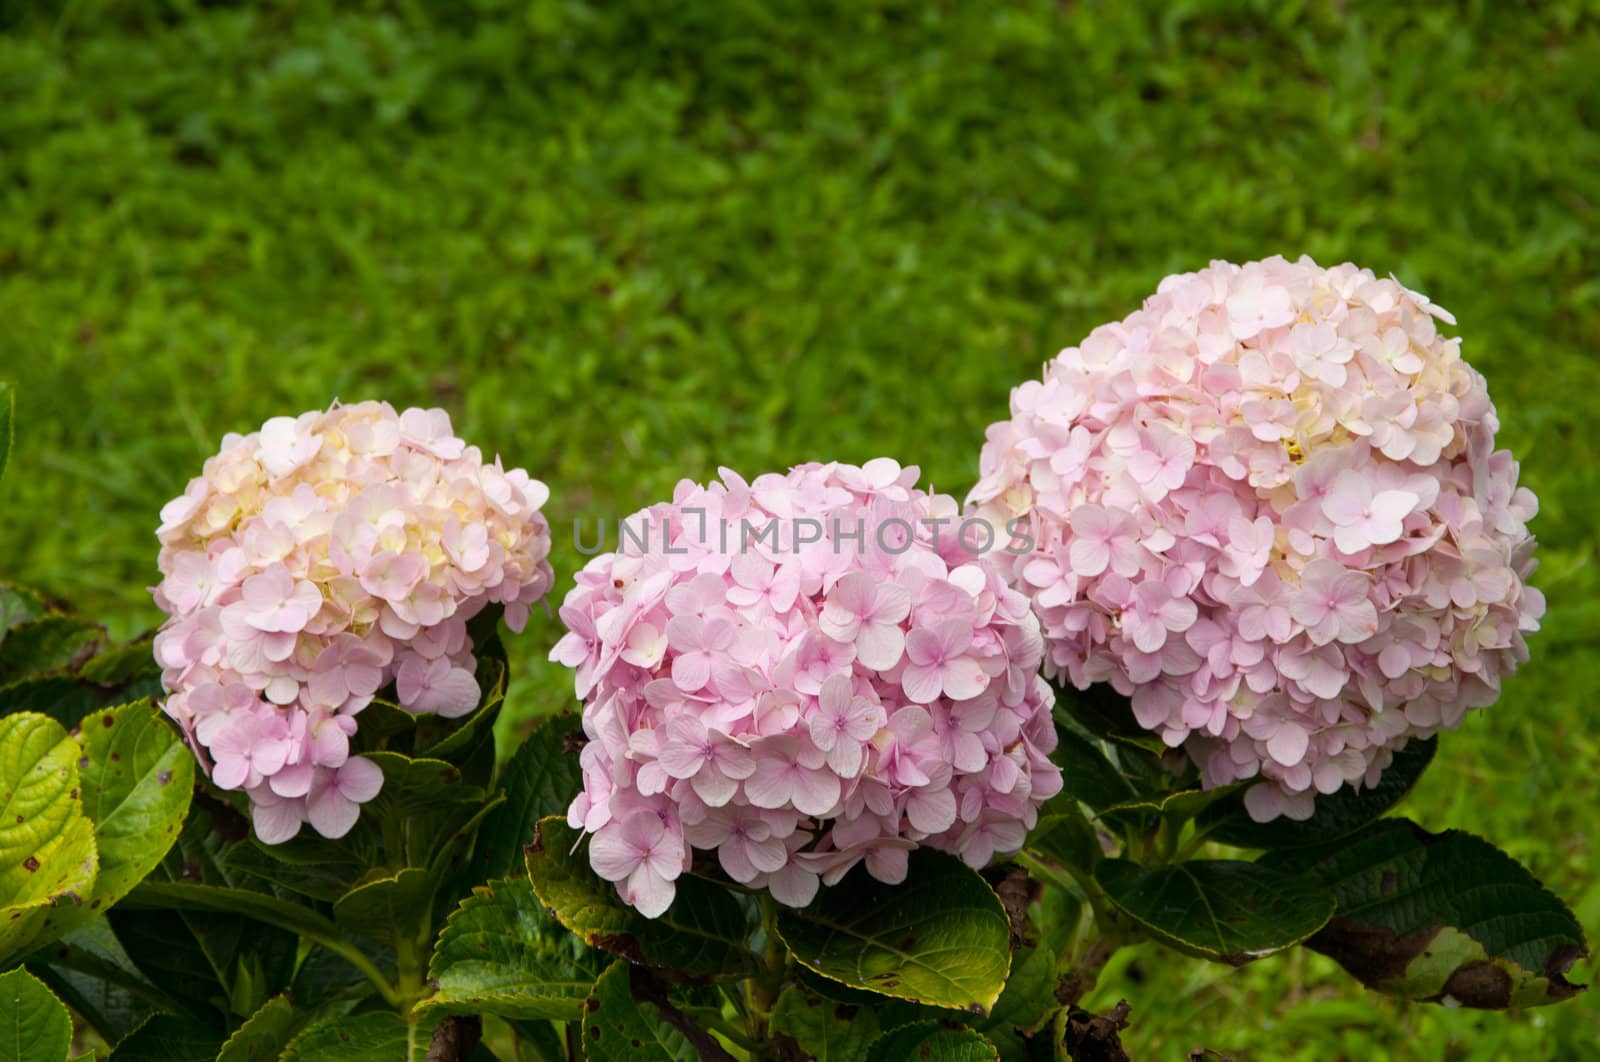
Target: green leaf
[(19, 604), (169, 1038), (704, 933), (8, 416), (412, 786), (501, 953), (1086, 773), (121, 664), (50, 643), (940, 938), (455, 738), (47, 851), (92, 973), (824, 1030), (34, 1026), (540, 779), (1221, 910), (1443, 917), (1105, 713), (1062, 836), (1337, 815), (931, 1041), (628, 1019), (376, 907), (61, 697), (376, 1036), (136, 778), (263, 1037), (259, 906)]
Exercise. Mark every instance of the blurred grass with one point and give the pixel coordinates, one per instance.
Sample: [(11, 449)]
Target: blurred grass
[(627, 243)]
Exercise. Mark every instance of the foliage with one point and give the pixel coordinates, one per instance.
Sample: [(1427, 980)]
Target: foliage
[(750, 232)]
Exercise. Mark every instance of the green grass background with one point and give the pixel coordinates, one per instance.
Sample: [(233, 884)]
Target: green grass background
[(628, 243)]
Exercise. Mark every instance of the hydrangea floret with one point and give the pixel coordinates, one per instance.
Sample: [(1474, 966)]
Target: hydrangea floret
[(311, 564), (801, 674), (1268, 507)]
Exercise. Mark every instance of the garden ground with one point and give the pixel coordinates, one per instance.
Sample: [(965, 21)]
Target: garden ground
[(625, 244)]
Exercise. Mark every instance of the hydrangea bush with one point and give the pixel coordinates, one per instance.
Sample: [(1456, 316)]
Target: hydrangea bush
[(850, 772), (802, 676), (311, 564), (1267, 507)]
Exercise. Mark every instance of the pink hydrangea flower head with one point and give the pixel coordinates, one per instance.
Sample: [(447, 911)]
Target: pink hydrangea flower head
[(311, 564), (800, 674), (1267, 506)]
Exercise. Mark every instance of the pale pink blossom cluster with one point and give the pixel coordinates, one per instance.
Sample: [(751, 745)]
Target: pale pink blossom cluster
[(800, 674), (1268, 506), (316, 561)]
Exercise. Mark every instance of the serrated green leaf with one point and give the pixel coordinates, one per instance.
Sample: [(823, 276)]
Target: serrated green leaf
[(379, 906), (825, 1031), (411, 786), (34, 1026), (931, 1041), (627, 1019), (704, 933), (136, 778), (376, 1036), (941, 937), (121, 664), (540, 779), (47, 851), (169, 1038), (1336, 815), (1443, 917), (19, 604), (49, 643), (1222, 910), (501, 953), (264, 1035)]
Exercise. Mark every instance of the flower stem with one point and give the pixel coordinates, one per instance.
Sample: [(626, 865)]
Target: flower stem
[(765, 986)]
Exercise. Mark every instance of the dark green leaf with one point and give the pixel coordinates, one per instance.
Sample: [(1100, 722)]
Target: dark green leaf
[(1062, 836), (628, 1019), (1338, 815), (824, 1030), (540, 779), (411, 785), (931, 1041), (454, 739), (90, 970), (263, 1037), (941, 937), (34, 1026), (1441, 917), (1086, 773), (1222, 910), (47, 852), (376, 1036), (136, 778), (501, 953), (122, 664), (1105, 713), (261, 907), (61, 697), (168, 1038), (385, 904), (49, 643), (704, 933)]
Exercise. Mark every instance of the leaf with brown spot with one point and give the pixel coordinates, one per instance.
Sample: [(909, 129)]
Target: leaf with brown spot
[(1444, 917), (47, 850)]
